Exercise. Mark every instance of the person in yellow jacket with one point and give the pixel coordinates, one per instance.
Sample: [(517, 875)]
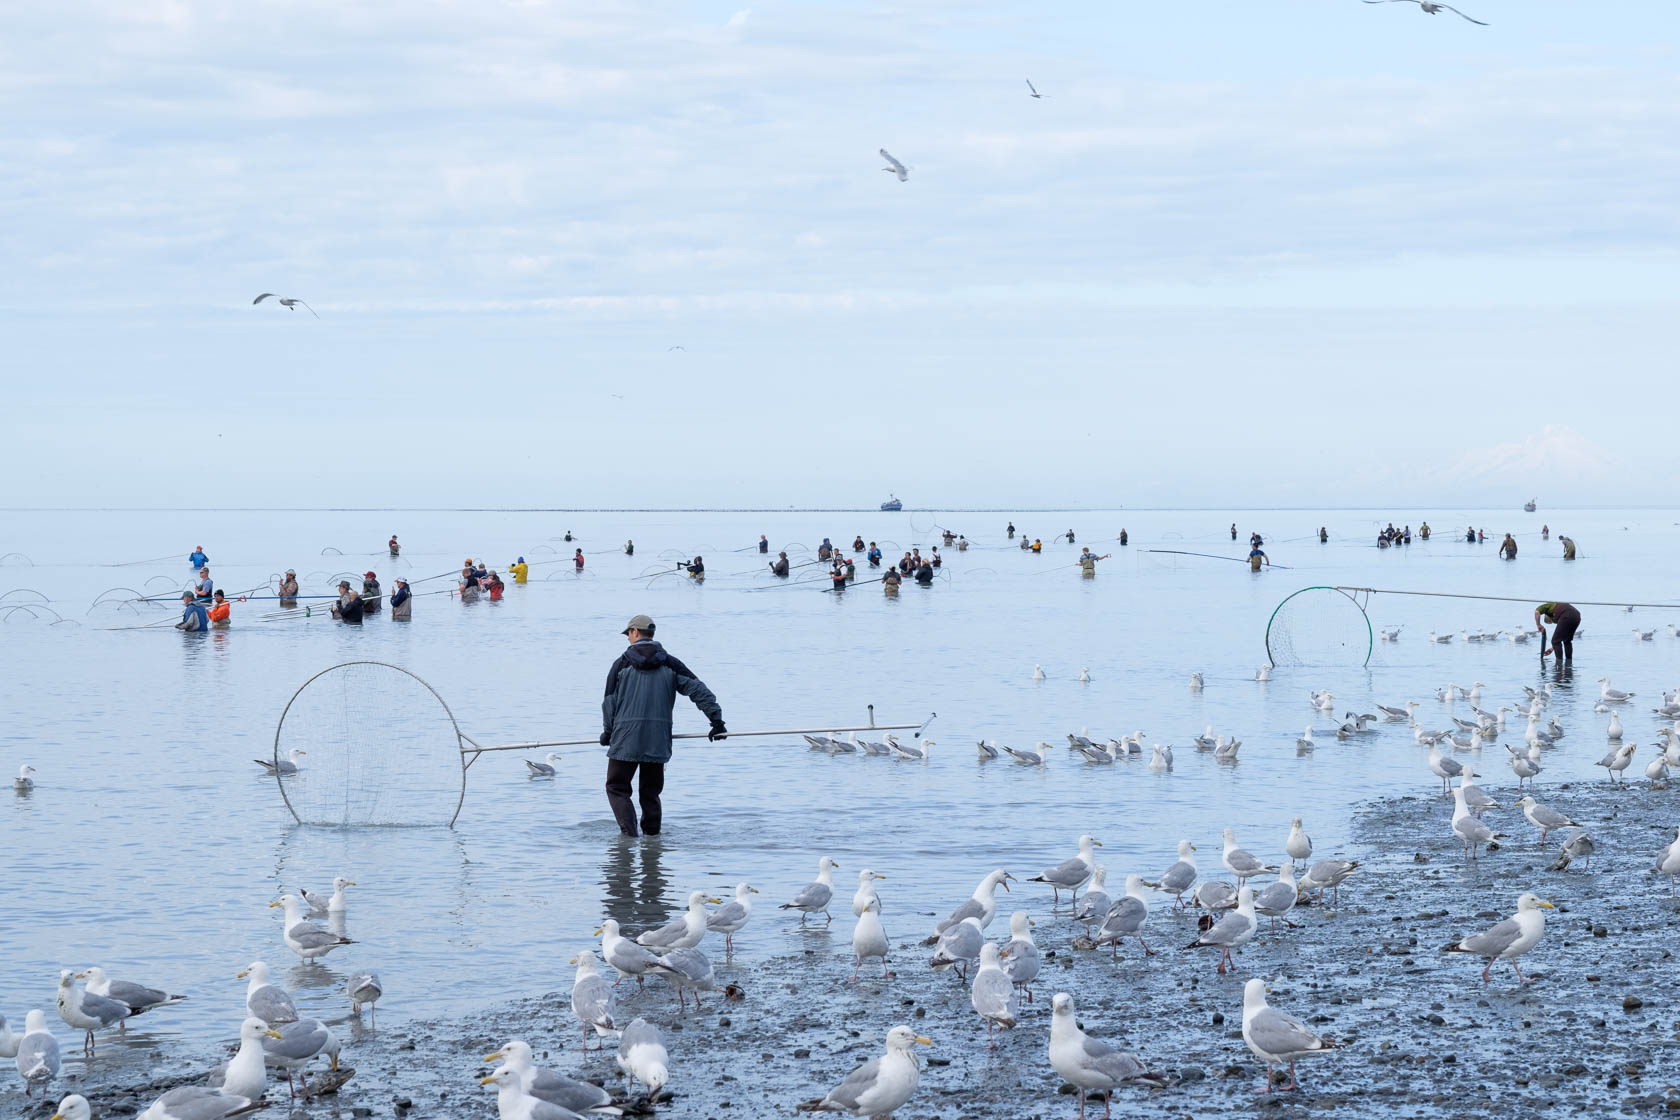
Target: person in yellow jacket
[(520, 570)]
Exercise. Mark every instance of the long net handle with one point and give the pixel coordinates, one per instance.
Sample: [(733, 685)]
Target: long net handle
[(918, 728), (1499, 598)]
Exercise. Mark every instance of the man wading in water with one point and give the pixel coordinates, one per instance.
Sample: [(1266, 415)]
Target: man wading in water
[(642, 688)]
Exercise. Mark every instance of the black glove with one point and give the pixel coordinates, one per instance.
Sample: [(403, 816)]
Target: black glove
[(718, 731), (606, 738)]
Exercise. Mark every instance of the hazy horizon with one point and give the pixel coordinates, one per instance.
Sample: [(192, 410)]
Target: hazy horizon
[(645, 255)]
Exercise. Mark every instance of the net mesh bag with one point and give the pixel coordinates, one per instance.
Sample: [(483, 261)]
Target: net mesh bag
[(1319, 626), (377, 746)]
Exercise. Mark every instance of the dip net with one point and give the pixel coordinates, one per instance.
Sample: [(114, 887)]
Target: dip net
[(1319, 626), (377, 747)]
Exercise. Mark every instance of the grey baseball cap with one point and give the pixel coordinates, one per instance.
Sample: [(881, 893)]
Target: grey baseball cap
[(641, 622)]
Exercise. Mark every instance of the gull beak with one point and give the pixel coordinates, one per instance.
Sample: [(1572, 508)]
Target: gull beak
[(1002, 954), (81, 975), (572, 961), (275, 1034), (752, 890), (713, 901), (924, 1040), (1544, 905), (240, 975), (1031, 923), (1098, 843), (496, 1057), (1192, 847), (597, 933), (350, 884), (486, 1080), (273, 904)]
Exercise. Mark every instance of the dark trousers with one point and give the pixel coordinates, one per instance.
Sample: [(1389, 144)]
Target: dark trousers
[(1563, 638), (647, 793)]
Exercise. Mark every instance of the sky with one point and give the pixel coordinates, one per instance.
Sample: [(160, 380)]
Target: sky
[(1308, 253)]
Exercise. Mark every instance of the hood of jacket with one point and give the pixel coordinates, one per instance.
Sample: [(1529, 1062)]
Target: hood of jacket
[(646, 656)]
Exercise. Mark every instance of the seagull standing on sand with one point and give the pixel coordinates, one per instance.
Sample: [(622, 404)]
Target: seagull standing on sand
[(1511, 938), (1274, 1036), (1087, 1063), (1070, 874)]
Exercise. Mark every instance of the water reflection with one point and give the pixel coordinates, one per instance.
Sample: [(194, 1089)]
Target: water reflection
[(633, 881)]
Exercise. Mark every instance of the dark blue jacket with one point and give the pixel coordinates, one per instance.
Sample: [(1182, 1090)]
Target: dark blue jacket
[(642, 688)]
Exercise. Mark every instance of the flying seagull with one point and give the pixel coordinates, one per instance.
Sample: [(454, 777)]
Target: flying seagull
[(894, 166), (1033, 89), (668, 349), (288, 303), (1430, 7)]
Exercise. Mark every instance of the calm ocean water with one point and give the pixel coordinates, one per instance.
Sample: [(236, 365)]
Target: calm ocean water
[(152, 844)]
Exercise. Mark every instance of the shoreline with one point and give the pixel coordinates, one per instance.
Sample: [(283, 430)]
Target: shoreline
[(1417, 1029)]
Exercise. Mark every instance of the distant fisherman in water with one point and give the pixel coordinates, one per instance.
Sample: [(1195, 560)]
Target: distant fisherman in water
[(348, 608), (1012, 530), (289, 585), (1026, 545), (205, 586), (890, 581), (393, 545), (697, 570), (763, 543), (1256, 558), (221, 613), (1323, 535), (642, 689), (935, 559), (577, 560), (193, 616), (198, 559), (493, 583), (962, 543), (402, 602), (469, 585), (837, 576), (1233, 530), (373, 596), (568, 536), (825, 550), (779, 566), (1568, 620), (629, 548), (857, 544), (874, 555), (1122, 538), (1070, 536), (520, 570), (1088, 562), (1568, 547), (1508, 549), (1037, 545), (924, 574)]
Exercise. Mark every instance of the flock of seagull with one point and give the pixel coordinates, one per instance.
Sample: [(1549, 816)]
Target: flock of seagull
[(273, 1035)]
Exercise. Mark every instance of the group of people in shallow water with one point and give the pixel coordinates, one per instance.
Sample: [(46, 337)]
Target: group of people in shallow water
[(1389, 537)]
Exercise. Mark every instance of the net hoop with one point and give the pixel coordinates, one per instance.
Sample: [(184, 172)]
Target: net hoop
[(1370, 636), (455, 727)]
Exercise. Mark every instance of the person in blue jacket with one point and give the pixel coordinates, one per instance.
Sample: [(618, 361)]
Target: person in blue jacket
[(642, 689), (198, 559), (194, 618)]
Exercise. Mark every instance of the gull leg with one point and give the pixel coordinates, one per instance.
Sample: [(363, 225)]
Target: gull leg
[(828, 919), (1486, 971), (1146, 949), (1291, 1084), (1525, 980)]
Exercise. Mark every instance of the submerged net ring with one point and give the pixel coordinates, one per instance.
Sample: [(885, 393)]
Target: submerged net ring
[(24, 591), (16, 560), (331, 551), (169, 582), (379, 748), (1319, 626), (105, 600)]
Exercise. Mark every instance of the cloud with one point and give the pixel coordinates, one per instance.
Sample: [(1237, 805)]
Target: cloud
[(739, 19)]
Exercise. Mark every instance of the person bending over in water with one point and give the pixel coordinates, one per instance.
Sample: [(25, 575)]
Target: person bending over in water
[(1568, 547), (1567, 620)]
